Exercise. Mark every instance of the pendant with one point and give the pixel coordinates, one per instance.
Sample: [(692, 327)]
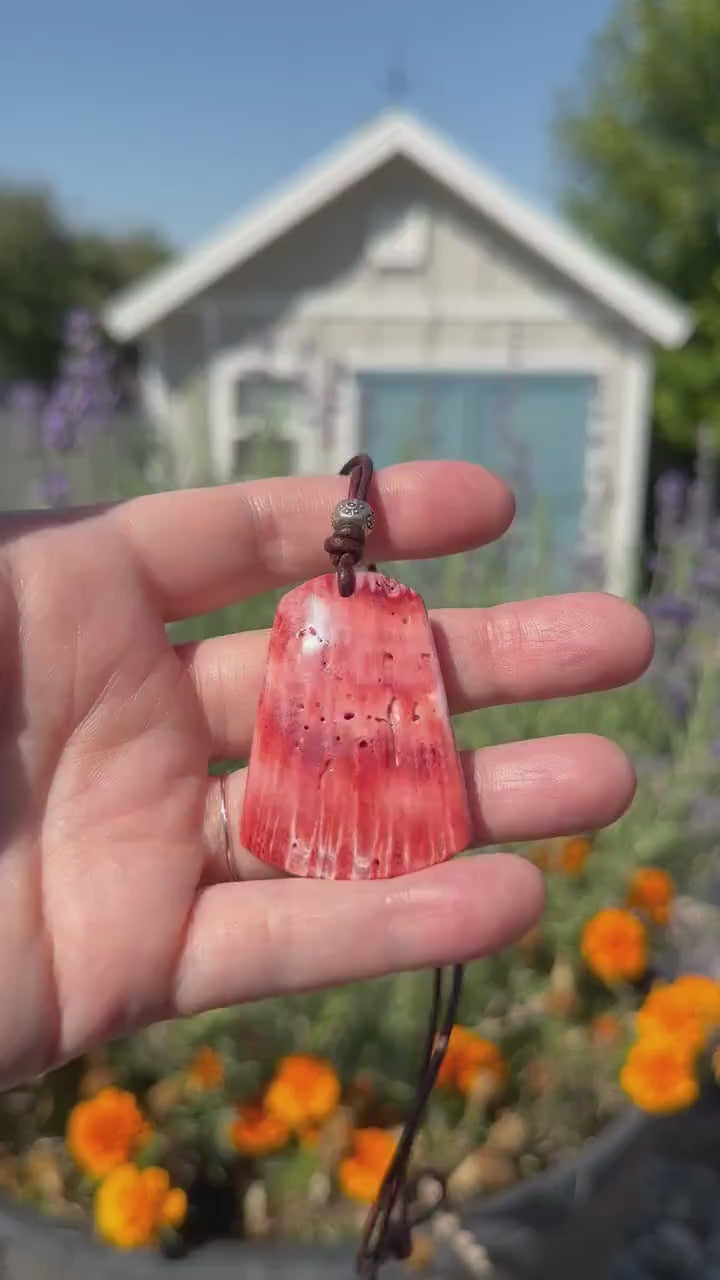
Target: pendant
[(354, 773)]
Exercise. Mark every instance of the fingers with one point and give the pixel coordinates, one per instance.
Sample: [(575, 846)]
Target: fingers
[(547, 787), (203, 549), (517, 791), (532, 650), (245, 942)]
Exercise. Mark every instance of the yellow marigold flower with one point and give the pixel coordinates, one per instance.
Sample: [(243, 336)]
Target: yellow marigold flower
[(687, 1010), (469, 1055), (105, 1131), (651, 890), (133, 1205), (255, 1131), (207, 1070), (614, 946), (362, 1172), (573, 855), (305, 1090), (659, 1075)]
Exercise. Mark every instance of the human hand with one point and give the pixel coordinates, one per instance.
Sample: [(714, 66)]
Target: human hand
[(113, 896)]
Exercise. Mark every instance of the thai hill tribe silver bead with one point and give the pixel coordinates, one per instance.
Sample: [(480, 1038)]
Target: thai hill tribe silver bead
[(353, 511)]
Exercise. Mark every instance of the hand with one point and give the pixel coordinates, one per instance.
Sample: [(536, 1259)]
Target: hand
[(113, 901)]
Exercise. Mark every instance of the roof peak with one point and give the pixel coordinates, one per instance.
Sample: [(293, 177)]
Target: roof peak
[(399, 131)]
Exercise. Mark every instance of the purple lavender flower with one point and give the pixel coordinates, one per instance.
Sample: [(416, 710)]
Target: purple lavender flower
[(84, 396), (53, 490), (56, 427), (657, 563), (707, 578), (25, 399), (79, 327), (679, 697), (671, 608), (670, 495)]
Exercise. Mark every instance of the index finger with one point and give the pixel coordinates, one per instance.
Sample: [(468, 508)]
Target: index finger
[(202, 549)]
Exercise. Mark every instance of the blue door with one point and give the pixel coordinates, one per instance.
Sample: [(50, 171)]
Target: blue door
[(529, 428)]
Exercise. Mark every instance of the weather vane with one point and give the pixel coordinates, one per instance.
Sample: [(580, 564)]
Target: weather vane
[(396, 83)]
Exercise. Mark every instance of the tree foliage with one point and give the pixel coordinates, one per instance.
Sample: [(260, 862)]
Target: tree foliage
[(47, 268), (640, 144)]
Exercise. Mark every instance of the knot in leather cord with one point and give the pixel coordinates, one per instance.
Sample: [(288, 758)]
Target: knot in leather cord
[(346, 544)]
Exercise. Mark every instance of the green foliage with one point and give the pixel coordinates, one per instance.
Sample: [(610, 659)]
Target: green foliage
[(561, 1088), (46, 267), (640, 143)]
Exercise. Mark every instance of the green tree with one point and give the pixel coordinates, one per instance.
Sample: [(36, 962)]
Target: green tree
[(640, 145), (47, 267), (36, 280)]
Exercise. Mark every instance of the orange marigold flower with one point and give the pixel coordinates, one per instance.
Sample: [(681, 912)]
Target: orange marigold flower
[(687, 1010), (255, 1131), (305, 1090), (652, 890), (468, 1056), (133, 1205), (614, 946), (659, 1075), (573, 855), (105, 1131), (605, 1029), (703, 992), (207, 1069), (362, 1172)]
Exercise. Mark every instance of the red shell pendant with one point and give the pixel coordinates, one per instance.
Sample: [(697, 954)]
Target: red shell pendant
[(354, 772)]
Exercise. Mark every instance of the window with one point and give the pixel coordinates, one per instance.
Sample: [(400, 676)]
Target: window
[(264, 399), (266, 421), (399, 237)]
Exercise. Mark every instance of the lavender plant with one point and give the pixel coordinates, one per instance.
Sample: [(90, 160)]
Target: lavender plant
[(58, 439), (561, 1032), (84, 396)]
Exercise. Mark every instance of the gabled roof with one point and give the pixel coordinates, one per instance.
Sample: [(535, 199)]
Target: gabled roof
[(395, 134)]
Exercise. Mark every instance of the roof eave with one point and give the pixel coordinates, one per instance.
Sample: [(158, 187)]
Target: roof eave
[(644, 307)]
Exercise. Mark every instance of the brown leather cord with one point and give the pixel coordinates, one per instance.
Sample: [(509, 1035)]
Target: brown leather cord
[(400, 1204), (347, 542)]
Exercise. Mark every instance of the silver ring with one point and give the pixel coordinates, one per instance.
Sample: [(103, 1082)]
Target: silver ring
[(229, 860)]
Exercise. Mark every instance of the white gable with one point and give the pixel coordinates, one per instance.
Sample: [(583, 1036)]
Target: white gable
[(401, 240)]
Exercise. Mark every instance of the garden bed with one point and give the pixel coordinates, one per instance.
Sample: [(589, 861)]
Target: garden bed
[(639, 1203)]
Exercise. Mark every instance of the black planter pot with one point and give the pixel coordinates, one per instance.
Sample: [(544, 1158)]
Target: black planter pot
[(563, 1224)]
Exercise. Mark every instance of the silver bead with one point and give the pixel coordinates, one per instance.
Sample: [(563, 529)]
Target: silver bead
[(353, 511)]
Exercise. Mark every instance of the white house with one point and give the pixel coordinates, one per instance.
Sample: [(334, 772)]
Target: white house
[(396, 297)]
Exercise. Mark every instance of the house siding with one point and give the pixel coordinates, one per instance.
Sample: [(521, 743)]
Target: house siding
[(318, 287)]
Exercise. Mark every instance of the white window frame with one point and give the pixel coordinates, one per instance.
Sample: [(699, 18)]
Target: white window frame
[(231, 367), (617, 447)]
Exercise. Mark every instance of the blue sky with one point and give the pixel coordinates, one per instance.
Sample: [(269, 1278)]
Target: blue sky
[(174, 113)]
